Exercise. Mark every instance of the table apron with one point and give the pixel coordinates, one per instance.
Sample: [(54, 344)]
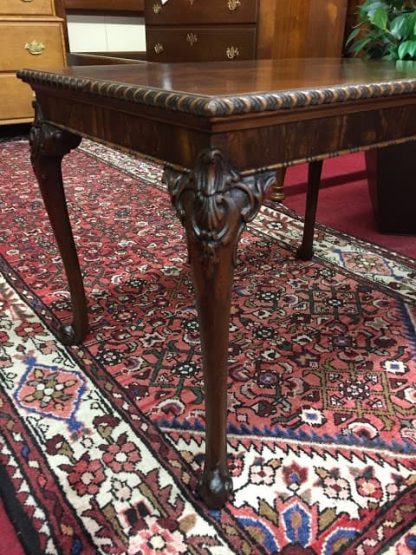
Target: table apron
[(305, 140), (178, 139)]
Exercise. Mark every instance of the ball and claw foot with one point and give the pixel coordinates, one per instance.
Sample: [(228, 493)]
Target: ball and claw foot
[(68, 336), (304, 253), (215, 488)]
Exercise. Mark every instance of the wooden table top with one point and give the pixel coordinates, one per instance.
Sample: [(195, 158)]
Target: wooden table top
[(219, 89)]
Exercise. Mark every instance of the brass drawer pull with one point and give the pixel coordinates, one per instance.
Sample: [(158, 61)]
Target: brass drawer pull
[(35, 47), (157, 8), (191, 38), (27, 0), (158, 48), (232, 52), (233, 5)]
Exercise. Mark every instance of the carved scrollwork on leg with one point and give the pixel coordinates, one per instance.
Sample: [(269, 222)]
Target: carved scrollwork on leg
[(218, 200), (48, 146), (47, 140)]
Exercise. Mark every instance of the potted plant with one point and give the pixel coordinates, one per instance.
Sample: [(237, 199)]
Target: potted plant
[(386, 29)]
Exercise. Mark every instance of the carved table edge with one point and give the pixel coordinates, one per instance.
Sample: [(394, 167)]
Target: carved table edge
[(222, 105)]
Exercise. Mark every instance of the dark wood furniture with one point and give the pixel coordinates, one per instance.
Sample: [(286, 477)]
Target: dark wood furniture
[(392, 185), (195, 30), (221, 137), (104, 5), (105, 58)]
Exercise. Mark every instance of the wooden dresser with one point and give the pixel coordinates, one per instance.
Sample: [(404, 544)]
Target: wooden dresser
[(104, 5), (214, 30), (32, 36)]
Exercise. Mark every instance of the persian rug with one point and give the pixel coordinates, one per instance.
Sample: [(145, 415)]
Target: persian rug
[(101, 444)]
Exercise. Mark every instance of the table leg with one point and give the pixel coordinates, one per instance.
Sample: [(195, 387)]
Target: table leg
[(49, 145), (214, 203), (305, 251), (278, 194)]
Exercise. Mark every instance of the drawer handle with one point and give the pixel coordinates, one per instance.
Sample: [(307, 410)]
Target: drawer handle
[(232, 52), (233, 5), (27, 0), (157, 8), (35, 47), (191, 38), (158, 48)]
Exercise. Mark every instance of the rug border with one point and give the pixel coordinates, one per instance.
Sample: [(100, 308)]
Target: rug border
[(24, 530)]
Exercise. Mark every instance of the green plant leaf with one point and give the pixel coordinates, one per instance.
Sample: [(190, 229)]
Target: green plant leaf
[(360, 45), (352, 35), (409, 25), (399, 26), (387, 29), (407, 48), (368, 8), (379, 18)]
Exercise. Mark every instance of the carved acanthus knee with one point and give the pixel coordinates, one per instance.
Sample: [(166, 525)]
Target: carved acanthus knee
[(214, 202), (49, 141)]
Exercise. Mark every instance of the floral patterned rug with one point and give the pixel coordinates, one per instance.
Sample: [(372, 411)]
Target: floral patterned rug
[(101, 444)]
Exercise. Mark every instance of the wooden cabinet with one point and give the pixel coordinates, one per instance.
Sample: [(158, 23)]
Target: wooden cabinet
[(203, 44), (200, 12), (202, 30), (30, 36), (38, 7), (104, 5)]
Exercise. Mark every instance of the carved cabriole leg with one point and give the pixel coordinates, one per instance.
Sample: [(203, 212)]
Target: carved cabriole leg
[(214, 203), (48, 146), (305, 251)]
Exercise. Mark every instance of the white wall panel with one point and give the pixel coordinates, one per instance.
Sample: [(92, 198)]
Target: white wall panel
[(91, 33), (125, 33)]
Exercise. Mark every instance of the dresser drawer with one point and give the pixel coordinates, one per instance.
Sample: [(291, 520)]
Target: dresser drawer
[(15, 98), (36, 44), (26, 7), (200, 11), (199, 44)]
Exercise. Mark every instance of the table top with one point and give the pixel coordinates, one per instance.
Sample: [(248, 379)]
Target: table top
[(221, 89)]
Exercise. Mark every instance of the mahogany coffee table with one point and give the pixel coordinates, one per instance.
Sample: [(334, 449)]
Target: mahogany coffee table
[(222, 130)]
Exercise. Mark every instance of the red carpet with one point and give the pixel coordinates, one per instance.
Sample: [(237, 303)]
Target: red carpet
[(321, 386), (9, 544), (344, 202)]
